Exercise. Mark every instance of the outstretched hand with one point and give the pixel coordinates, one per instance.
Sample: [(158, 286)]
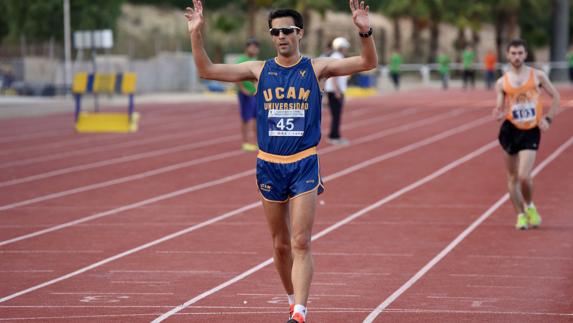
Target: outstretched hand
[(195, 20), (360, 15)]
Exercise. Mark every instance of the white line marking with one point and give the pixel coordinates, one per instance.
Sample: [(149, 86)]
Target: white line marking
[(51, 251), (96, 293), (125, 179), (509, 276), (118, 160), (520, 257), (476, 312), (178, 166), (252, 171), (337, 225), (360, 254), (220, 218), (131, 207), (166, 271), (131, 251), (107, 147), (211, 252), (370, 318)]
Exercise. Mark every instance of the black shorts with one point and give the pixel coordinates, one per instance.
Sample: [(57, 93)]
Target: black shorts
[(512, 139)]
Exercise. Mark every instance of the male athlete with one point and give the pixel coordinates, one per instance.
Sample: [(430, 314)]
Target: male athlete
[(288, 131), (518, 103)]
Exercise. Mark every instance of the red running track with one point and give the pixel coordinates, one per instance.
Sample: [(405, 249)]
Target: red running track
[(413, 225)]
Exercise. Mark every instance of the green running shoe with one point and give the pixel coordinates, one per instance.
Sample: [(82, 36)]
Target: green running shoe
[(534, 217), (521, 222)]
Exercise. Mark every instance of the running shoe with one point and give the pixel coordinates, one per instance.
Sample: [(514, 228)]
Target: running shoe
[(521, 222), (297, 318), (533, 216)]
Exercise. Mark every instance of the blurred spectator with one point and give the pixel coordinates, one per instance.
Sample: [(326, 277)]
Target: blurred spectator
[(395, 63), (444, 69), (335, 88), (247, 101), (489, 61), (468, 59)]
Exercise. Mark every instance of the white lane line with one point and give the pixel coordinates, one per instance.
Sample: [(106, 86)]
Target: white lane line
[(520, 257), (113, 161), (370, 318), (520, 277), (444, 311), (131, 251), (325, 151), (50, 251), (362, 254), (162, 152), (96, 293), (121, 180), (189, 315), (153, 172), (107, 147), (335, 226), (184, 231)]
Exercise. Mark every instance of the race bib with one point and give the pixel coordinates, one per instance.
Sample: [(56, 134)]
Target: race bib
[(523, 112), (286, 123)]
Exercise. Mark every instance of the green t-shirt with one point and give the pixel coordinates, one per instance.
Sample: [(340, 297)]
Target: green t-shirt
[(444, 64), (395, 62), (250, 86), (468, 58)]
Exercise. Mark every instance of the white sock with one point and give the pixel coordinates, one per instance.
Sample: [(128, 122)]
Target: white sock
[(531, 204), (300, 309), (290, 299)]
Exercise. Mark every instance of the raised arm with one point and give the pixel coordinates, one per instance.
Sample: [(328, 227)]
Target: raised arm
[(368, 59), (555, 100), (247, 71), (498, 112)]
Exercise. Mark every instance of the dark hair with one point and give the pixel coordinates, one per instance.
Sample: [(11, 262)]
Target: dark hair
[(252, 41), (279, 13), (516, 42)]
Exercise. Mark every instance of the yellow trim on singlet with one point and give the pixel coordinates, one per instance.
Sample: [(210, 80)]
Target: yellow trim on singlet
[(280, 159), (289, 66)]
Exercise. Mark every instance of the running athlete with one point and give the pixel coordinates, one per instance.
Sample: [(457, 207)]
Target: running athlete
[(518, 103), (288, 131)]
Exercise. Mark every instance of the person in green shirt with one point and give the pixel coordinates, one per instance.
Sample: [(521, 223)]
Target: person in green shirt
[(395, 62), (247, 102), (444, 69), (468, 59)]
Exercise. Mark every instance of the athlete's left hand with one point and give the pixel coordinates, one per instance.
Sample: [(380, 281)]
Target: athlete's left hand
[(360, 15), (544, 125)]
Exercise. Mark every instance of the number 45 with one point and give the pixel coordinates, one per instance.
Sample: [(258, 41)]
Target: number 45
[(288, 124)]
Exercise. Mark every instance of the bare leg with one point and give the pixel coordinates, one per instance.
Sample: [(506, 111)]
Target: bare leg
[(278, 221), (511, 163), (525, 167), (302, 213)]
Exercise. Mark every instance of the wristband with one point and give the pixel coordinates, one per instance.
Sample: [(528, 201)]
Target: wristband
[(366, 34)]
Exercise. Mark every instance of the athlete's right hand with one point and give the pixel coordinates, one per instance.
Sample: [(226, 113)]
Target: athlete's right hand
[(195, 20), (544, 125)]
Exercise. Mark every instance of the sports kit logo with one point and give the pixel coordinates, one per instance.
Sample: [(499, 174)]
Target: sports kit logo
[(302, 73), (265, 187)]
